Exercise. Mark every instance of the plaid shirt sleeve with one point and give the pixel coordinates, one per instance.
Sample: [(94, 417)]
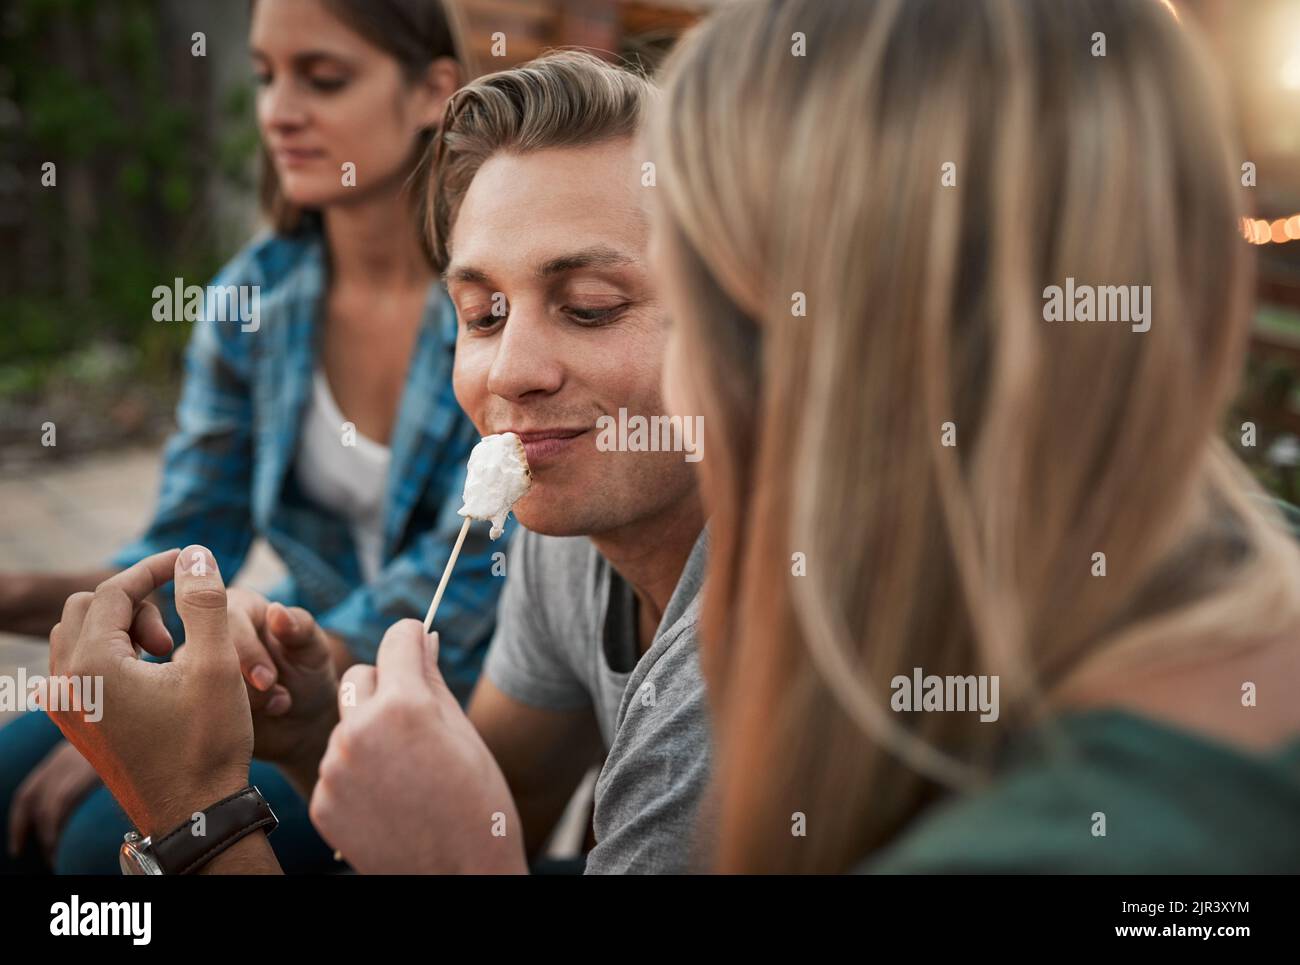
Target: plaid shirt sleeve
[(406, 586), (204, 495)]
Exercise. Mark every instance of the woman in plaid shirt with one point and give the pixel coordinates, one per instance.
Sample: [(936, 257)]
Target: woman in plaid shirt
[(324, 424)]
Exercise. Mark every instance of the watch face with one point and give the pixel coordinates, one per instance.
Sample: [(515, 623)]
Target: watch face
[(130, 865), (134, 859)]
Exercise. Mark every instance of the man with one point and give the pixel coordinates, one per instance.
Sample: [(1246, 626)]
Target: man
[(539, 225)]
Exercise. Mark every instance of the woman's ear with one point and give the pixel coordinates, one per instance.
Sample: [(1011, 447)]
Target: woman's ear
[(442, 79)]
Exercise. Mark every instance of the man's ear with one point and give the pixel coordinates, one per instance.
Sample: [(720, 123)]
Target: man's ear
[(443, 78)]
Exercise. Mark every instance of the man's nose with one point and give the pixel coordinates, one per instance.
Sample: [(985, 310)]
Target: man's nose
[(526, 360)]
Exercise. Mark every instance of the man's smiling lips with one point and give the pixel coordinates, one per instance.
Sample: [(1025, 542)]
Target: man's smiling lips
[(542, 446)]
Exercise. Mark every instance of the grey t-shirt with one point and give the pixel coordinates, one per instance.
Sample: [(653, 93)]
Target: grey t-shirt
[(566, 639)]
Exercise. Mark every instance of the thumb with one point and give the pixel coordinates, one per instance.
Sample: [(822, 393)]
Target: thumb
[(431, 646), (303, 639), (432, 672), (201, 603)]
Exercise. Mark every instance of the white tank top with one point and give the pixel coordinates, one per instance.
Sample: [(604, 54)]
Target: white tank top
[(350, 480)]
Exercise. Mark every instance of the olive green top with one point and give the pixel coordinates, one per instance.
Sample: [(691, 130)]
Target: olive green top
[(1172, 802)]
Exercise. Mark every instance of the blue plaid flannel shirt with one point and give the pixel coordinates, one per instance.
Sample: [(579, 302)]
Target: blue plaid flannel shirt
[(228, 473)]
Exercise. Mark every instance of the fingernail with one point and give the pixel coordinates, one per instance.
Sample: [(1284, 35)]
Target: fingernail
[(277, 705), (198, 560), (262, 678)]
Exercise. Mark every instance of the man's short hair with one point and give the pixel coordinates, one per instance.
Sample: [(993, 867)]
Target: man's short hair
[(563, 99)]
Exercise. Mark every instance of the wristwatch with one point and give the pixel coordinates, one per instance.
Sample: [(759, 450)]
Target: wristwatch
[(200, 839)]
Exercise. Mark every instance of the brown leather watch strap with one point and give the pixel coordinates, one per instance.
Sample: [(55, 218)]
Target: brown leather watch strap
[(182, 851)]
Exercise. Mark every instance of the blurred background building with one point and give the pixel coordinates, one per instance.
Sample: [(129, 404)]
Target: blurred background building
[(1258, 45)]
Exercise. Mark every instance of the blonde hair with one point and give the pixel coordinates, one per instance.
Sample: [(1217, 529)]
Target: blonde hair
[(563, 99), (827, 175)]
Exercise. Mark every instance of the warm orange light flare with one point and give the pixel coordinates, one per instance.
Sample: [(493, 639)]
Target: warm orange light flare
[(1278, 232)]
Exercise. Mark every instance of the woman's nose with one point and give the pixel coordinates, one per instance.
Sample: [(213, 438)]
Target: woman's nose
[(280, 106)]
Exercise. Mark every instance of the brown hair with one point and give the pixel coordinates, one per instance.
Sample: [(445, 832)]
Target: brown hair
[(824, 175), (415, 33), (562, 99)]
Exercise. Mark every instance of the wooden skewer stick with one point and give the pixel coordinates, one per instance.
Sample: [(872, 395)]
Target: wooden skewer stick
[(446, 575)]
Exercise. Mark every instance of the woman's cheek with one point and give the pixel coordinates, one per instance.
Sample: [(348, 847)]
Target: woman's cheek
[(676, 394)]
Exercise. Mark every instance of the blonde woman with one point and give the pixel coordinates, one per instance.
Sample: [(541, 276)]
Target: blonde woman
[(913, 475)]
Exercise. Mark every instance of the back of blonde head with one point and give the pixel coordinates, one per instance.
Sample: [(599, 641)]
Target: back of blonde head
[(921, 176)]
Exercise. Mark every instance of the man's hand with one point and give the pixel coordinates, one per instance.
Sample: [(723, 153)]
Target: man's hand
[(174, 737), (45, 800), (407, 785)]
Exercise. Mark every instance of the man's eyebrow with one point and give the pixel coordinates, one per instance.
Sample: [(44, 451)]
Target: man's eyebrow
[(466, 274), (597, 256)]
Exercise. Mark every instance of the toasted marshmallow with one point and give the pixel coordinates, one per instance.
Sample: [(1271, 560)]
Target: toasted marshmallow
[(498, 476)]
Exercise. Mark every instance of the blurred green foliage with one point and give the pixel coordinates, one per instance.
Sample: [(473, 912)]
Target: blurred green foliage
[(108, 95)]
